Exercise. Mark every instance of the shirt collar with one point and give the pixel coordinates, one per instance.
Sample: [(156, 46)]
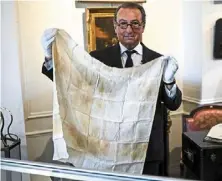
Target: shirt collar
[(138, 48)]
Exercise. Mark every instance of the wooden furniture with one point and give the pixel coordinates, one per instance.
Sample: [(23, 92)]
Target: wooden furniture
[(203, 159), (201, 118)]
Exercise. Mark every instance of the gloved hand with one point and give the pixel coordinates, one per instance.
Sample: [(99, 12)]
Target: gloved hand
[(170, 69), (47, 39)]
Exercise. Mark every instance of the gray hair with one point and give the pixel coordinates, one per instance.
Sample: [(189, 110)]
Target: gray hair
[(132, 5)]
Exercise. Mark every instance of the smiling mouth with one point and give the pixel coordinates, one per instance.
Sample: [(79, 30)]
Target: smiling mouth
[(129, 37)]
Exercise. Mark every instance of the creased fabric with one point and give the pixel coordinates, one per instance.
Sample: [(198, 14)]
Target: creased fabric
[(102, 116)]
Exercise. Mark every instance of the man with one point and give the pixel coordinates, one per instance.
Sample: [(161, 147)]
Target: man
[(129, 23)]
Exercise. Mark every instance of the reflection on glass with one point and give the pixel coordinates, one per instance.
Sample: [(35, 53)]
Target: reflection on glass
[(45, 172)]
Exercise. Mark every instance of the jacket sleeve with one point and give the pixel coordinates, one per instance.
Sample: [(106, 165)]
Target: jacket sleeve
[(171, 104), (48, 73)]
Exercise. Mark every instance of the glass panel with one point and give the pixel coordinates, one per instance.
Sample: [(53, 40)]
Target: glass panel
[(16, 170), (17, 176)]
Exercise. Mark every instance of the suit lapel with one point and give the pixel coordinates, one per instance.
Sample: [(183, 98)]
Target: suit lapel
[(145, 54), (115, 57), (149, 55)]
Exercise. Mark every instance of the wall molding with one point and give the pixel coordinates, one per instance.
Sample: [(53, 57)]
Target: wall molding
[(37, 115), (175, 113), (191, 99), (211, 101), (202, 101), (197, 102), (38, 133)]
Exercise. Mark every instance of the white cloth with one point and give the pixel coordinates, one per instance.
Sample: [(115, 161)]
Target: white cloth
[(102, 116), (137, 59)]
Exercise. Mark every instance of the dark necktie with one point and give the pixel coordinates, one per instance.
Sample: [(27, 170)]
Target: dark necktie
[(129, 61)]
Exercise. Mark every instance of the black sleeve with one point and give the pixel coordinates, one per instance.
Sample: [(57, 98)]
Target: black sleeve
[(171, 104), (48, 73), (95, 54)]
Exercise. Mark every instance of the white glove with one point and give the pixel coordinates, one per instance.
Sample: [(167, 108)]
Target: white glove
[(170, 69), (47, 39)]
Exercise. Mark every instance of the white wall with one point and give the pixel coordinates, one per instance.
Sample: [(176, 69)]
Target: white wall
[(163, 32), (11, 87), (212, 69), (202, 78), (192, 49), (34, 18), (11, 84)]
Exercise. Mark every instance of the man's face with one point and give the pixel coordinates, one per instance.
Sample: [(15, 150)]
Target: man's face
[(129, 37)]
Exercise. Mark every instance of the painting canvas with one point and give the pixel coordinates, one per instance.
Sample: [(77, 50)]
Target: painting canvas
[(112, 1), (100, 28)]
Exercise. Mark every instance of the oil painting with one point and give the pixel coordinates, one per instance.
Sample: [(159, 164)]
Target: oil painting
[(100, 28)]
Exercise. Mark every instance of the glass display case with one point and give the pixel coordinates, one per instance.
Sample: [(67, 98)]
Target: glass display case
[(12, 169)]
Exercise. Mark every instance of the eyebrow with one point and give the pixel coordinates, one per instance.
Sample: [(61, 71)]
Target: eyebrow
[(130, 21)]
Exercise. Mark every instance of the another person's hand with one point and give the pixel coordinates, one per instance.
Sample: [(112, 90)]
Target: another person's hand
[(47, 39), (170, 69)]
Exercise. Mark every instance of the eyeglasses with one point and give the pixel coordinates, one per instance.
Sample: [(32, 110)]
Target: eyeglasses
[(134, 25)]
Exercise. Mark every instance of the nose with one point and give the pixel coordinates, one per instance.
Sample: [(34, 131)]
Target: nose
[(129, 28)]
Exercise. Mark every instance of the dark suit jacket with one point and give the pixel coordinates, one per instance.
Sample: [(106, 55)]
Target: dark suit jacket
[(111, 57)]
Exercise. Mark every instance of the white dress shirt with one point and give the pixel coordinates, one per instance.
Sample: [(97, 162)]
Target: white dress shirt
[(136, 57)]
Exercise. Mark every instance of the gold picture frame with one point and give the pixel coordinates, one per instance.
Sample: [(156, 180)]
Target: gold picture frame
[(100, 30), (112, 1)]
